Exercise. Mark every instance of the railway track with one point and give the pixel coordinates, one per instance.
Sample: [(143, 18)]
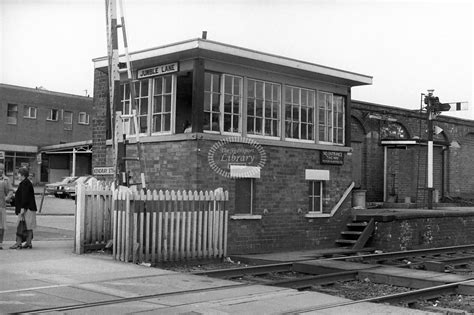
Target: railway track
[(440, 258), (256, 275), (405, 297)]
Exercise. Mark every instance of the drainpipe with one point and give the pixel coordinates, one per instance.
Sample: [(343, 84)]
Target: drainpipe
[(73, 162)]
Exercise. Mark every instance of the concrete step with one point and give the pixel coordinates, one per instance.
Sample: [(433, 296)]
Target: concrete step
[(351, 233), (345, 242)]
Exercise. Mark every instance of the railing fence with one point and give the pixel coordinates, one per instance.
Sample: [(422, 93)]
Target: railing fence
[(155, 226)]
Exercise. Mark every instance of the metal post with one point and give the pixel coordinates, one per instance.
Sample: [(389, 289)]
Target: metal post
[(430, 161), (429, 182), (385, 168)]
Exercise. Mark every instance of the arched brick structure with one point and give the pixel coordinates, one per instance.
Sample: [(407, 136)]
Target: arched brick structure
[(453, 173)]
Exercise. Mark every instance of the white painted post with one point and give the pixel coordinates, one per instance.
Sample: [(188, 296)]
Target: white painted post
[(73, 162), (114, 224), (80, 215)]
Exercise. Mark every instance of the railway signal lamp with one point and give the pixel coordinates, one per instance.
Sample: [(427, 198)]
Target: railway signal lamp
[(440, 107)]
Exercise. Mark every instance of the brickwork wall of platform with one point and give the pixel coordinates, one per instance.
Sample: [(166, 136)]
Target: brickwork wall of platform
[(419, 233)]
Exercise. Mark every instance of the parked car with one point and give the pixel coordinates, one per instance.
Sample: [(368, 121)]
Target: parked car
[(12, 200), (69, 190), (52, 188)]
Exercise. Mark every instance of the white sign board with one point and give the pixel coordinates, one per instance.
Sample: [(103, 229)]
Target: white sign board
[(158, 70), (108, 170)]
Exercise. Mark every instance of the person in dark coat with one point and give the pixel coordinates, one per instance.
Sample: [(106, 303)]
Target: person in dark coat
[(25, 208)]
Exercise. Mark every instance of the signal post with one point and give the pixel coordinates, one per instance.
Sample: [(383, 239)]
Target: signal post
[(433, 108)]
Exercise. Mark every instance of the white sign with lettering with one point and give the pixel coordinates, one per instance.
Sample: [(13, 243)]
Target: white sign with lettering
[(158, 70), (103, 171)]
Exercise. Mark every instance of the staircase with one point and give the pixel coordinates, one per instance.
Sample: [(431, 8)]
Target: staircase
[(357, 234)]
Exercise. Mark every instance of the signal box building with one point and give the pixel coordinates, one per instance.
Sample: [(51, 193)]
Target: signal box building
[(273, 131), (32, 120)]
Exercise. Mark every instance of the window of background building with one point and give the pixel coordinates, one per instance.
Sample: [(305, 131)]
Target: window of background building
[(67, 120), (53, 115), (299, 108), (331, 118), (12, 114), (263, 108), (83, 118), (29, 112)]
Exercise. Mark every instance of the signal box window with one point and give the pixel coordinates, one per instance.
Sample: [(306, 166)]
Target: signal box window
[(316, 196), (222, 103), (244, 193)]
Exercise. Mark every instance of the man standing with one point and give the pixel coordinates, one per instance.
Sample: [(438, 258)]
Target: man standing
[(6, 192)]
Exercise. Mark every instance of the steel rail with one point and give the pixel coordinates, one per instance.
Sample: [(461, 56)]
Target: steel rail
[(306, 282), (410, 296), (252, 270), (128, 299), (407, 254), (456, 260)]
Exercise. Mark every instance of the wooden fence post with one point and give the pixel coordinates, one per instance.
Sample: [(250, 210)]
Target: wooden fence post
[(80, 215)]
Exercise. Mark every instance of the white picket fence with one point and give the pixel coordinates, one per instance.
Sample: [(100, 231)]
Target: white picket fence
[(93, 226), (169, 226), (155, 226)]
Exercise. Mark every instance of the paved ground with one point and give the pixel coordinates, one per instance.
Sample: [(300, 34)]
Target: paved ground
[(55, 221)]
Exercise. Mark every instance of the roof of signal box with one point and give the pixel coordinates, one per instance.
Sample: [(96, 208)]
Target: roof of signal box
[(219, 49)]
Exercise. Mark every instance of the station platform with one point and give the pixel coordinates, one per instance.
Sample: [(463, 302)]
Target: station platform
[(400, 212)]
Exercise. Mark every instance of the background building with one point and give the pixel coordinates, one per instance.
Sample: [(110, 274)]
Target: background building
[(34, 118)]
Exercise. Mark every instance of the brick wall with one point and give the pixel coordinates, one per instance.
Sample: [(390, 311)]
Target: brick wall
[(418, 233), (40, 131), (281, 194), (99, 118)]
